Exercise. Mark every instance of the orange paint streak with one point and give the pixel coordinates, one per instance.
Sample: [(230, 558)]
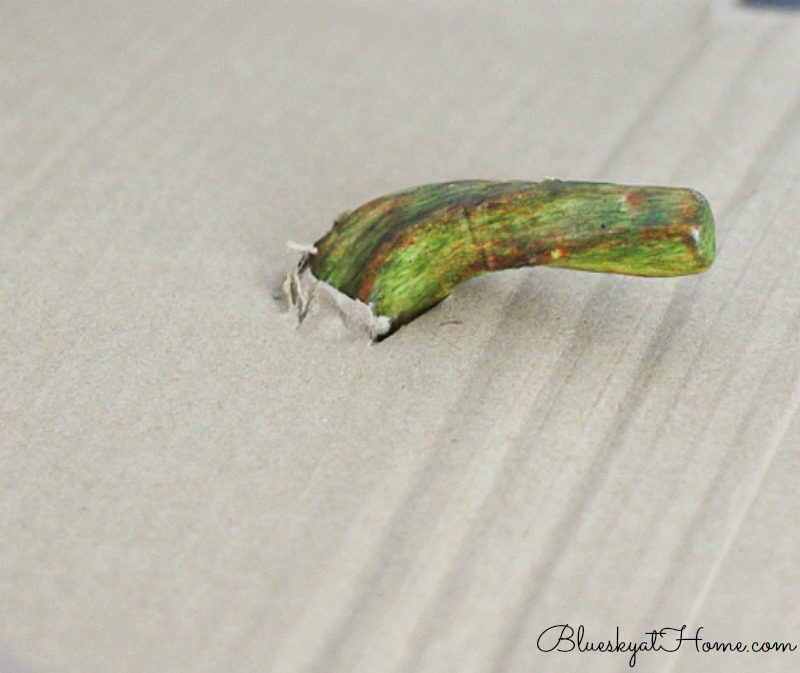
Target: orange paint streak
[(633, 199), (368, 276)]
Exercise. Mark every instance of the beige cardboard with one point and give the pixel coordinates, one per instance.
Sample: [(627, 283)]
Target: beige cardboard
[(189, 483)]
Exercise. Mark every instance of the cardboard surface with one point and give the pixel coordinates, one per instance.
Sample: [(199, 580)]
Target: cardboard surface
[(187, 483)]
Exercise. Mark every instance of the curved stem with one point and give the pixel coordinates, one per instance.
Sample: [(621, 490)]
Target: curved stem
[(404, 252)]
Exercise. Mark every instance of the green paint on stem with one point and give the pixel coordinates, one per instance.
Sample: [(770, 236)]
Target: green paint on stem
[(403, 253)]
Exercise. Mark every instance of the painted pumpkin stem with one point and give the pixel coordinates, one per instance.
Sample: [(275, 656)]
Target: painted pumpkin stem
[(403, 253)]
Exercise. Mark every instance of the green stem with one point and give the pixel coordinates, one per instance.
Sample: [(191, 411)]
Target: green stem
[(403, 253)]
